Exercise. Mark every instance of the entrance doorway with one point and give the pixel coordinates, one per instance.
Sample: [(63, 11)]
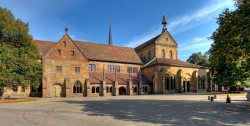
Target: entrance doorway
[(186, 86), (122, 91), (57, 90)]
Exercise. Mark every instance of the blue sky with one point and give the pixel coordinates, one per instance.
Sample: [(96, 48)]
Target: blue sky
[(190, 22)]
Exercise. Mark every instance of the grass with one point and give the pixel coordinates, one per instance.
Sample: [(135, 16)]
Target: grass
[(15, 100)]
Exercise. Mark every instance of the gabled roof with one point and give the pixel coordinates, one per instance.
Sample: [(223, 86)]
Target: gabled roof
[(147, 43), (166, 32), (97, 52), (97, 78), (173, 62), (104, 52), (44, 46)]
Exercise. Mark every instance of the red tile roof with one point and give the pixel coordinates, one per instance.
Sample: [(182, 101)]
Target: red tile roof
[(104, 52), (44, 46), (97, 78), (95, 51), (172, 62)]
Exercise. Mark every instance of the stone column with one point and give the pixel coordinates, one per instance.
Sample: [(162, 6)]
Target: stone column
[(68, 92), (195, 80), (44, 87), (129, 88), (140, 88), (155, 82), (210, 80), (182, 82), (87, 88), (163, 86), (115, 89), (103, 88)]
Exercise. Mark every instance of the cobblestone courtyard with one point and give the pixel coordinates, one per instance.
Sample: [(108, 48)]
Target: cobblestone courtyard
[(145, 110)]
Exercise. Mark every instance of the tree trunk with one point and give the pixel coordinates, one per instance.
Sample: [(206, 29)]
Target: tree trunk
[(1, 95)]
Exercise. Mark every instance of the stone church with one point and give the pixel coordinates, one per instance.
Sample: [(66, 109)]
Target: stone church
[(75, 68)]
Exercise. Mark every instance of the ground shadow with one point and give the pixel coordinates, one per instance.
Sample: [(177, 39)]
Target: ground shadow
[(168, 112)]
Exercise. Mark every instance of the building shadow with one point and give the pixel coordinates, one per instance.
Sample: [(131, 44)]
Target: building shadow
[(168, 112)]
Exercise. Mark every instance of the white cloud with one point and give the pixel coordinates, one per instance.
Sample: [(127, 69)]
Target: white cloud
[(137, 40), (199, 17), (195, 46), (196, 43), (186, 22)]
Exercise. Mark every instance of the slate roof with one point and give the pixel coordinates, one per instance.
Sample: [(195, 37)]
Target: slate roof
[(104, 52), (97, 78), (44, 46), (147, 43), (172, 62)]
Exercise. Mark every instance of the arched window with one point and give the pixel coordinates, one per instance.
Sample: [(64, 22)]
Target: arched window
[(167, 83), (162, 54), (172, 83), (149, 55), (107, 89), (199, 82), (135, 89), (110, 89), (93, 89), (97, 89), (203, 83), (170, 55), (77, 87)]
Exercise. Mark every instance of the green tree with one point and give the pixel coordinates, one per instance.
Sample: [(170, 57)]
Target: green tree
[(199, 59), (230, 51), (19, 55)]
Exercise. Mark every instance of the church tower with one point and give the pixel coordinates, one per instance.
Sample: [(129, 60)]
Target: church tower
[(110, 34)]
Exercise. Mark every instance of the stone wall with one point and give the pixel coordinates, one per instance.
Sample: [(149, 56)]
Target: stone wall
[(167, 49), (184, 78), (145, 52), (57, 84)]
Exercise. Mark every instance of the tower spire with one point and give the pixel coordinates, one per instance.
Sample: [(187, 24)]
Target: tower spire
[(66, 30), (164, 22), (110, 34)]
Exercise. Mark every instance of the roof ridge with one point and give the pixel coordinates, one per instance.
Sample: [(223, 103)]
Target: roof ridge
[(43, 40), (147, 41), (101, 44)]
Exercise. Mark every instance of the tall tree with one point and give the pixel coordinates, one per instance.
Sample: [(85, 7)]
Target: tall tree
[(230, 51), (199, 59), (19, 55)]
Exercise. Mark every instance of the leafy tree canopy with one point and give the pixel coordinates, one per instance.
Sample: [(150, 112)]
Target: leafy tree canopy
[(199, 59), (19, 55), (230, 51)]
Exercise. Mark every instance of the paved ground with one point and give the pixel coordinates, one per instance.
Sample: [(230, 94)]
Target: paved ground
[(145, 110)]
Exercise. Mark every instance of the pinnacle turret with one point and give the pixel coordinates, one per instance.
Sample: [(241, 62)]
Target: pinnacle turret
[(164, 22)]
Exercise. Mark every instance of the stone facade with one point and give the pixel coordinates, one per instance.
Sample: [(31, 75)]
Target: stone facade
[(65, 55), (76, 69), (169, 74)]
